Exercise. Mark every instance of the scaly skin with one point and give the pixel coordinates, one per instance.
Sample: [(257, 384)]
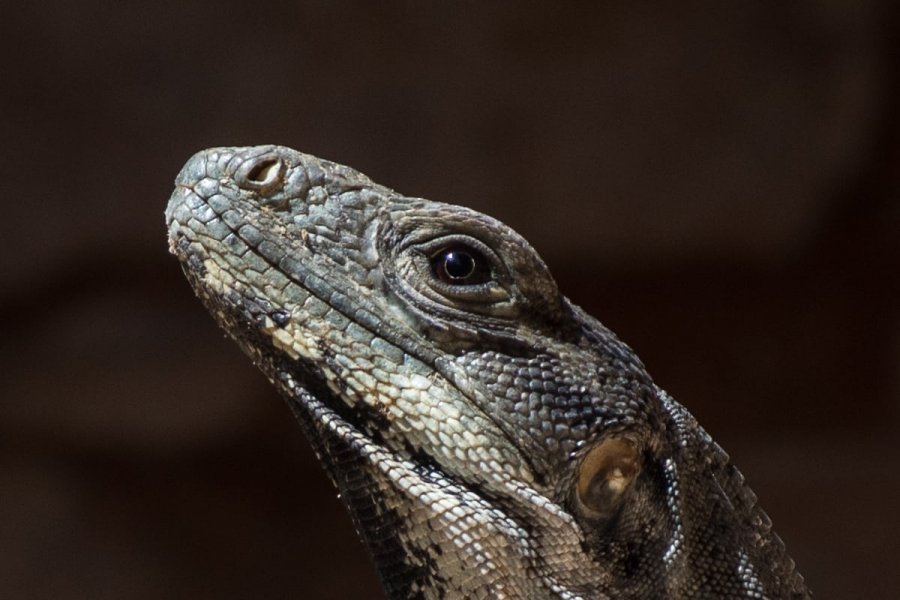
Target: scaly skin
[(489, 438)]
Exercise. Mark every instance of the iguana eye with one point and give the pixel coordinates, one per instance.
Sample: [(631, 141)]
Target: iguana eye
[(460, 265), (605, 474), (456, 270)]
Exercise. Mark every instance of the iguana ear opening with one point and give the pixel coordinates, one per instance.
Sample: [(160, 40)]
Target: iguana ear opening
[(605, 475)]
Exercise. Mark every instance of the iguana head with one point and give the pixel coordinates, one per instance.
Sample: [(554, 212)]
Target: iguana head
[(488, 437)]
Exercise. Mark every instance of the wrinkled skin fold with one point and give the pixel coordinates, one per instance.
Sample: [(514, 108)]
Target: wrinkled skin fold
[(489, 438)]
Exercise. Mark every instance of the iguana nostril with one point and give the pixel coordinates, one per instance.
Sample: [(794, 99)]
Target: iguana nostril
[(264, 172)]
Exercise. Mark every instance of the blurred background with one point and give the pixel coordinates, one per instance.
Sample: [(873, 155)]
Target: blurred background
[(717, 182)]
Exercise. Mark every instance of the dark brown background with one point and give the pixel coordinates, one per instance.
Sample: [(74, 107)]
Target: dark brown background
[(719, 184)]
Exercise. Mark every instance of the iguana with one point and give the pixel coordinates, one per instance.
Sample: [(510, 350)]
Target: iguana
[(489, 438)]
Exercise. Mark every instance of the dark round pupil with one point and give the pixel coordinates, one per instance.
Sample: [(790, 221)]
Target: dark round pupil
[(458, 265)]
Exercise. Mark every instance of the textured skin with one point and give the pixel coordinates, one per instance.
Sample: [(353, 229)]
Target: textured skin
[(456, 419)]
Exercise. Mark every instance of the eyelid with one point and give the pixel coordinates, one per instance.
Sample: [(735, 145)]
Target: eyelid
[(434, 245)]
